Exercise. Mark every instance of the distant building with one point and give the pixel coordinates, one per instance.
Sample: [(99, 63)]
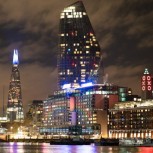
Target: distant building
[(34, 117), (35, 112), (147, 85), (79, 56), (14, 110), (131, 120)]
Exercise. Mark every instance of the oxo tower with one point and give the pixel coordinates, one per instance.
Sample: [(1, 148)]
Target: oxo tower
[(14, 105)]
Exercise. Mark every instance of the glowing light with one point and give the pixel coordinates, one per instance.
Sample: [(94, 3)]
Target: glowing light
[(65, 86), (146, 71), (15, 57), (146, 83), (87, 84), (143, 88)]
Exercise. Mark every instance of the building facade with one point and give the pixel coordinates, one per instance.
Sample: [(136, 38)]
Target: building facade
[(14, 110), (79, 111), (131, 120), (79, 56)]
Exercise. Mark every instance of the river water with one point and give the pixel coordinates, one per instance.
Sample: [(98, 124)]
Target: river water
[(47, 148)]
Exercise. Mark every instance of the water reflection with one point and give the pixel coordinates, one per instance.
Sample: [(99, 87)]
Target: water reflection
[(47, 148)]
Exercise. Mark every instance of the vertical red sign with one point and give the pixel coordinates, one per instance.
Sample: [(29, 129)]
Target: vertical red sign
[(146, 83)]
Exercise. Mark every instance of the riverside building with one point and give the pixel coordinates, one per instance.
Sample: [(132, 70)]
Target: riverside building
[(131, 120), (80, 106), (134, 119), (79, 111), (14, 110), (71, 110)]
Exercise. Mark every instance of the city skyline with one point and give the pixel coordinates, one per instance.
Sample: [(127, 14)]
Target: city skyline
[(122, 28)]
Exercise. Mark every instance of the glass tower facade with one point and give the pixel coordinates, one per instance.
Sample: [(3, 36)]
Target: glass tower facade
[(79, 55), (14, 105)]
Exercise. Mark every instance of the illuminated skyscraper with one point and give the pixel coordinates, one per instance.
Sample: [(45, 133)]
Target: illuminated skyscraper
[(79, 56), (14, 105)]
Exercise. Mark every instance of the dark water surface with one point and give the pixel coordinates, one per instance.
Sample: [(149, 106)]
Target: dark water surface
[(47, 148)]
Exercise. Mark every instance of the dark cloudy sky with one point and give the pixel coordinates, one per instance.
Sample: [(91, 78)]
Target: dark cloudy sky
[(124, 29)]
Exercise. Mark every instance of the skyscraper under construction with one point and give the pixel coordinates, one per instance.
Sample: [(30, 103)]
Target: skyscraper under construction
[(79, 55), (14, 105)]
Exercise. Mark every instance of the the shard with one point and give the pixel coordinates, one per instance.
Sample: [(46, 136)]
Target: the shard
[(14, 105)]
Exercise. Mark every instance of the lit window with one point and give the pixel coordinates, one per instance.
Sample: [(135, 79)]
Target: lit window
[(97, 52), (62, 16)]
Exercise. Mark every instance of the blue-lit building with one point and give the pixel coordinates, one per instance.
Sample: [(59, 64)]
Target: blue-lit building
[(79, 51), (80, 106), (71, 110), (79, 111)]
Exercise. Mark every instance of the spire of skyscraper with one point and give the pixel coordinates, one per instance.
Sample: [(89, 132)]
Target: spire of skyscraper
[(15, 57), (79, 56), (14, 105)]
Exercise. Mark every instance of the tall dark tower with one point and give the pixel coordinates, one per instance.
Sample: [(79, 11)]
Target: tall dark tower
[(147, 85), (79, 56), (14, 106)]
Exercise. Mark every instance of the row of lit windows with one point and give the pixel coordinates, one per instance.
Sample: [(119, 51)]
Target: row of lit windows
[(68, 13), (132, 111), (88, 122)]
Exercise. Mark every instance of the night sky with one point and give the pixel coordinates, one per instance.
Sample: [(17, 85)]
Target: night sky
[(124, 29)]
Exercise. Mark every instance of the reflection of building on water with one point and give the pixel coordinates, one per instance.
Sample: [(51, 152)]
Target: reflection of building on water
[(134, 141)]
